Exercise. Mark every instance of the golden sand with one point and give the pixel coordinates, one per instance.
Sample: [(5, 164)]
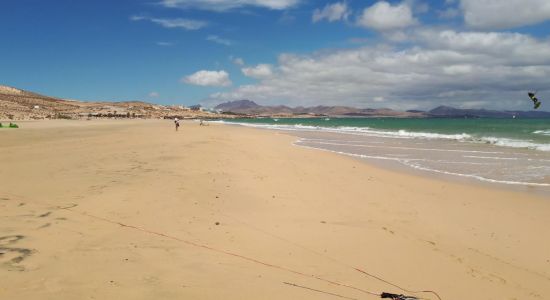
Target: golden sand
[(135, 210)]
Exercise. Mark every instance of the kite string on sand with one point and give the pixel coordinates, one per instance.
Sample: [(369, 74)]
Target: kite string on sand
[(70, 209), (223, 252), (330, 258)]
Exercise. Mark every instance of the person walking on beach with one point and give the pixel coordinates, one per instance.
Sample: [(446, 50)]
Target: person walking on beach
[(177, 123)]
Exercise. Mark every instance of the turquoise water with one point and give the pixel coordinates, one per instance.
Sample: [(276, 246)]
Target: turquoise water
[(536, 131), (499, 151)]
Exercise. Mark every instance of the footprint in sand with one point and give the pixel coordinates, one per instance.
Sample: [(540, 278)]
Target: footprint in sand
[(45, 225), (12, 257), (45, 214), (10, 239)]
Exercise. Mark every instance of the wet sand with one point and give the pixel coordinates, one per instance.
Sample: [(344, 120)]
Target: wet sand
[(135, 210)]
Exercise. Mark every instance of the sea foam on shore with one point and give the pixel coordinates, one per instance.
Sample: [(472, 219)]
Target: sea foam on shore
[(510, 159)]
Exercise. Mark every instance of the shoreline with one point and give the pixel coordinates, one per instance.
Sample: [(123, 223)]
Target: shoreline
[(520, 187), (253, 194), (541, 189)]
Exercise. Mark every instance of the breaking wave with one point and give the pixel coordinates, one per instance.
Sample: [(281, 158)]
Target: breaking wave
[(414, 163), (542, 132), (405, 134)]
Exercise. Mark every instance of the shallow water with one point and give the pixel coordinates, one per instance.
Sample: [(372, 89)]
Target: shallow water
[(478, 149)]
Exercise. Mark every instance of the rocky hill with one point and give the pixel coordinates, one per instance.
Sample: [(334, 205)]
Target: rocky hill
[(17, 104), (250, 108), (247, 107)]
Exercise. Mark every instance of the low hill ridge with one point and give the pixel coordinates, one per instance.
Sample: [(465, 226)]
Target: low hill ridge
[(250, 108), (18, 104)]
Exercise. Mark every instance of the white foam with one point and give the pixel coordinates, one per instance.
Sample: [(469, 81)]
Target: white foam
[(476, 176), (367, 131), (490, 157), (398, 147), (505, 142), (410, 163), (404, 134), (543, 132)]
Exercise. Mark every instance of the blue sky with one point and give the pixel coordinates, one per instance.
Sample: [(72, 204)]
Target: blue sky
[(397, 54)]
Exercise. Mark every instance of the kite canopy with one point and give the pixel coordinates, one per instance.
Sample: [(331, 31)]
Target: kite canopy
[(536, 102), (397, 296)]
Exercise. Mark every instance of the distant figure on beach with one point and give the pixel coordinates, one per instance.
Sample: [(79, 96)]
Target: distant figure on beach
[(177, 123)]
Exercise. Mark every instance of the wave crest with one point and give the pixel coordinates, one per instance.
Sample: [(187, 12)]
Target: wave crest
[(405, 134)]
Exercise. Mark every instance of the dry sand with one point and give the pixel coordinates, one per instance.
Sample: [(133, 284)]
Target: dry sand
[(284, 214)]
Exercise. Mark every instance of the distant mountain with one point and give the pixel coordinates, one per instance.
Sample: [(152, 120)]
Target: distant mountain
[(250, 108), (238, 105), (20, 104), (247, 107), (451, 112)]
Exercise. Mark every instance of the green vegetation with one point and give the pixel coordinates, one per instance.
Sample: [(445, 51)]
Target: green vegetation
[(12, 125)]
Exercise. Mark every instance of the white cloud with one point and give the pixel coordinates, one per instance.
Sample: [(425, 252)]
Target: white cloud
[(449, 13), (186, 24), (396, 36), (502, 14), (332, 12), (208, 78), (165, 44), (218, 40), (223, 5), (237, 61), (384, 16), (490, 69), (417, 6), (287, 18), (154, 95), (259, 71), (359, 40)]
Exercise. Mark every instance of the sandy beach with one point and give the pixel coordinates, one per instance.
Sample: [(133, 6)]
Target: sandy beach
[(135, 210)]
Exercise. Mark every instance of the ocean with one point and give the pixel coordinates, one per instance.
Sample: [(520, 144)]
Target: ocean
[(514, 152)]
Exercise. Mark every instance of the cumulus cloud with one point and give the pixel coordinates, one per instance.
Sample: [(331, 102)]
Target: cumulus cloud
[(331, 12), (223, 5), (463, 69), (154, 95), (384, 16), (448, 13), (208, 78), (502, 14), (186, 24), (259, 71), (218, 40), (287, 18), (237, 61)]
